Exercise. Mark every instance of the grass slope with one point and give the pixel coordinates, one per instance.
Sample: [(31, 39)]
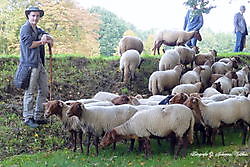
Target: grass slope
[(78, 77)]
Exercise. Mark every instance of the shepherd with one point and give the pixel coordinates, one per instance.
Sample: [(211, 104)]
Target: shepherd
[(32, 41)]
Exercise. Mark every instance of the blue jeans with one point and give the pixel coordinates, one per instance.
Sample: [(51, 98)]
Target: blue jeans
[(239, 44), (39, 82), (192, 42)]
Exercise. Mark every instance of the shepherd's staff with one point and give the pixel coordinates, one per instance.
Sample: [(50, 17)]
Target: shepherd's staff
[(50, 71)]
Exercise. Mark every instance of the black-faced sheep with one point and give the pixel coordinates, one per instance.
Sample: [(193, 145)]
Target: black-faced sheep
[(173, 38)]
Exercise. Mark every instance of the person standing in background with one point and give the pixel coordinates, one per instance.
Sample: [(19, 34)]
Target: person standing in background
[(240, 29), (193, 22), (32, 54)]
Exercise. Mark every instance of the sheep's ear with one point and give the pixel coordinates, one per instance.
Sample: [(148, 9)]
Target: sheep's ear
[(82, 106)]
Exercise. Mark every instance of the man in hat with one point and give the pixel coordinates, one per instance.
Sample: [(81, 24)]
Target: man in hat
[(32, 54), (240, 29)]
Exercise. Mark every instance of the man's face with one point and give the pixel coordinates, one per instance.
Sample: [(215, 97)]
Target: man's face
[(34, 17)]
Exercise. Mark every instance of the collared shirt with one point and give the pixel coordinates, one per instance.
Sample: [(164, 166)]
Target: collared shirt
[(240, 24), (31, 56)]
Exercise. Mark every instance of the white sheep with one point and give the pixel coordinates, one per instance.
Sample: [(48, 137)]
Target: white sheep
[(187, 88), (242, 91), (100, 119), (128, 43), (159, 122), (173, 38), (201, 58), (226, 81), (169, 60), (129, 61), (164, 80), (223, 68), (243, 75), (104, 96), (191, 77), (228, 111), (213, 90), (71, 124), (187, 54)]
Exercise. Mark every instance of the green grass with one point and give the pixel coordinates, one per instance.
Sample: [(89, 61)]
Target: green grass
[(218, 155)]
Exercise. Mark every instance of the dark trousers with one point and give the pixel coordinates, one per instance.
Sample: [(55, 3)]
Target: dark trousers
[(240, 40)]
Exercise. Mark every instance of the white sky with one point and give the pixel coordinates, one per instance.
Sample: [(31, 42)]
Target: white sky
[(169, 14)]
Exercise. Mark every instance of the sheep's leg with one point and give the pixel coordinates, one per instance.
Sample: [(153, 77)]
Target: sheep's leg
[(209, 134), (214, 131), (131, 147), (142, 60), (80, 141), (146, 147), (75, 137), (172, 144), (179, 145), (222, 137), (158, 142), (88, 142), (140, 142), (244, 127), (196, 135), (96, 142), (185, 145), (122, 75), (114, 145), (203, 134)]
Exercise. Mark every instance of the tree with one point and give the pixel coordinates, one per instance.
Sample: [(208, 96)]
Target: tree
[(203, 6), (111, 30), (74, 29)]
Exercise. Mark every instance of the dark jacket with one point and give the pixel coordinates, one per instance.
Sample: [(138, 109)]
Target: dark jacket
[(31, 57)]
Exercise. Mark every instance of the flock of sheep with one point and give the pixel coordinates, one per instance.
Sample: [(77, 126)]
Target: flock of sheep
[(203, 96)]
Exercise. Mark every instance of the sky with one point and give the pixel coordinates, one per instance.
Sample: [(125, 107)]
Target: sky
[(169, 14)]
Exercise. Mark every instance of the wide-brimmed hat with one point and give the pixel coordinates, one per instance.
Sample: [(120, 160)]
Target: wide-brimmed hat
[(34, 9)]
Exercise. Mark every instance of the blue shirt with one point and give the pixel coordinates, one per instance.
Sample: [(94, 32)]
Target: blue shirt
[(31, 56), (240, 24), (192, 22)]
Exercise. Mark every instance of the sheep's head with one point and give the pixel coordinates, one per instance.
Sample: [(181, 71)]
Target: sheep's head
[(234, 63), (133, 101), (123, 99), (109, 138), (53, 108), (76, 109), (193, 104), (179, 98), (231, 75), (197, 35), (217, 86)]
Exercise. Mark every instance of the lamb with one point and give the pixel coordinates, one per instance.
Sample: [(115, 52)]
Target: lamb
[(191, 77), (173, 38), (187, 54), (242, 91), (226, 81), (243, 75), (229, 111), (71, 124), (223, 68), (169, 60), (128, 43), (129, 61), (99, 119), (105, 96), (201, 58), (187, 88), (161, 80), (175, 118)]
